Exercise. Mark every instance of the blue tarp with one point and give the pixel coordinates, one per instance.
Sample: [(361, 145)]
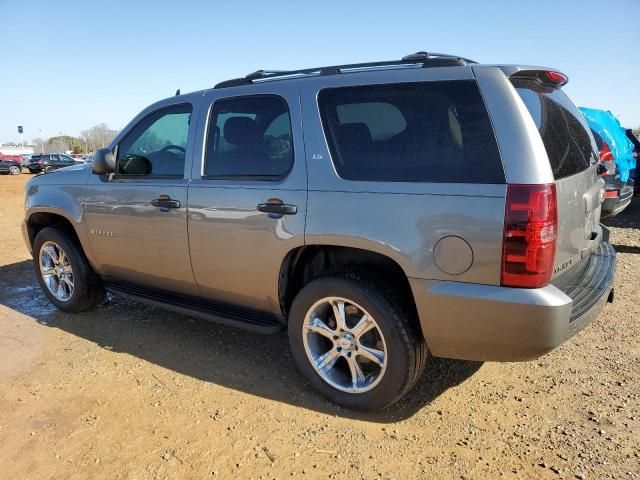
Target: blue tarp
[(608, 127)]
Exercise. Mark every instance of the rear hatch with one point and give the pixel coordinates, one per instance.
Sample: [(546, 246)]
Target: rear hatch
[(573, 157)]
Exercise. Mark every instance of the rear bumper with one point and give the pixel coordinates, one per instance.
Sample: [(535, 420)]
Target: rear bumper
[(485, 322), (614, 205)]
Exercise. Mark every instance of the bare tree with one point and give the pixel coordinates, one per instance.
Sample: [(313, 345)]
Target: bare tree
[(98, 136), (39, 145)]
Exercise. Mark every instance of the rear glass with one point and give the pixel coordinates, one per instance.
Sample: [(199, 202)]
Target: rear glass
[(564, 131), (411, 132)]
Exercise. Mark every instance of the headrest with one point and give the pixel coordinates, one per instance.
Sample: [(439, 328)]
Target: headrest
[(358, 133), (241, 131)]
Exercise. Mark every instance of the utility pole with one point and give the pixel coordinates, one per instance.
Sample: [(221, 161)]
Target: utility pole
[(20, 131)]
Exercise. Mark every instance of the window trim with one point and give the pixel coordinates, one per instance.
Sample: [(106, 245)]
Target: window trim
[(205, 138), (116, 150)]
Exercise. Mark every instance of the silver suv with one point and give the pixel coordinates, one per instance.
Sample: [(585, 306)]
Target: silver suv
[(381, 212)]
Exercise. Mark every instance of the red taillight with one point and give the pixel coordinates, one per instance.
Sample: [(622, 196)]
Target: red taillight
[(530, 234), (612, 193), (557, 77)]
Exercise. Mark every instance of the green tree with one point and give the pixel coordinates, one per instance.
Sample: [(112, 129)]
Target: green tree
[(65, 143)]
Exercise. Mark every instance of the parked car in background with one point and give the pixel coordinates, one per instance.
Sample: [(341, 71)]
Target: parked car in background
[(636, 155), (50, 161), (618, 194), (616, 154), (10, 166), (26, 160)]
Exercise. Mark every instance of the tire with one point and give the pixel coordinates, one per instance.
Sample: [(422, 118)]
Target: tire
[(48, 169), (87, 290), (405, 351), (14, 170)]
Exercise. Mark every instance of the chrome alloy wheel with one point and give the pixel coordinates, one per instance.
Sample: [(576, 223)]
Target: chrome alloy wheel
[(14, 170), (344, 345), (56, 271)]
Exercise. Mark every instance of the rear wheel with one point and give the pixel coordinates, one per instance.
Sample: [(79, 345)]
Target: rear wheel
[(64, 273), (48, 169), (14, 170), (354, 342)]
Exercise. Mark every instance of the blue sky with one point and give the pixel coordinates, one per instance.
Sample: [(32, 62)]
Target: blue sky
[(66, 66)]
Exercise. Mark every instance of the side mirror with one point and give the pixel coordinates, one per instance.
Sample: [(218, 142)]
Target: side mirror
[(104, 162)]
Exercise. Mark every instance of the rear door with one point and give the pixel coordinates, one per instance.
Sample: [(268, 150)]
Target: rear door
[(572, 156), (248, 193)]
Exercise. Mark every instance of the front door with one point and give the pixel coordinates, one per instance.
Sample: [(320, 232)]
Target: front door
[(247, 200), (137, 221)]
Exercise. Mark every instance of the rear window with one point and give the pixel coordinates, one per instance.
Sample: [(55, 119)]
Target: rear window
[(564, 131), (411, 132)]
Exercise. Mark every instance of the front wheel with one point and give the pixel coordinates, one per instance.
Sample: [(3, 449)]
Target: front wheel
[(48, 169), (354, 342), (63, 272)]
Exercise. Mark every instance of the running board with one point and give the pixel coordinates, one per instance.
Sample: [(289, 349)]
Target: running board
[(224, 314)]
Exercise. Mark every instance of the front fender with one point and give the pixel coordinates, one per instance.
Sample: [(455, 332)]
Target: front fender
[(64, 201)]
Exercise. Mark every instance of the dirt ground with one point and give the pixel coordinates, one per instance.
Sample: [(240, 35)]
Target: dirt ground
[(132, 392)]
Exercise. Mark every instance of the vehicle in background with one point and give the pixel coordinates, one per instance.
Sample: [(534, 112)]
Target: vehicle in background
[(50, 161), (10, 166), (617, 153), (26, 160), (618, 194), (636, 154), (16, 158)]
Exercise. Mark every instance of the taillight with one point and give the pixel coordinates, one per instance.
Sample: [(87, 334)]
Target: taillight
[(530, 235), (557, 78), (606, 158), (612, 194)]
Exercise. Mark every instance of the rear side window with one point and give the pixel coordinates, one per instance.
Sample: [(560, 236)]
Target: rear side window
[(411, 132), (249, 137), (564, 132)]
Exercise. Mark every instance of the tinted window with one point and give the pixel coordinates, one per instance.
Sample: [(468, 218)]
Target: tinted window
[(564, 132), (249, 137), (411, 132), (157, 145), (598, 139)]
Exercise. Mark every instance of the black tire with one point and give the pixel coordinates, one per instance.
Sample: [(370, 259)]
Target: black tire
[(87, 290), (48, 169), (406, 350), (15, 170)]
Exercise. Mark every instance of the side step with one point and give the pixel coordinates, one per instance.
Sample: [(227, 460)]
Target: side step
[(198, 307)]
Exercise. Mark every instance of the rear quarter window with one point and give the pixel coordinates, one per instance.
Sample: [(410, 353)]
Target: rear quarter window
[(411, 132), (564, 131)]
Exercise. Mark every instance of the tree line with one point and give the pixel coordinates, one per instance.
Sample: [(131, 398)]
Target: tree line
[(89, 141)]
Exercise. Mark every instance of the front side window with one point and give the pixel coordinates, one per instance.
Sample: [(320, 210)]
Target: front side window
[(249, 137), (411, 132), (157, 145)]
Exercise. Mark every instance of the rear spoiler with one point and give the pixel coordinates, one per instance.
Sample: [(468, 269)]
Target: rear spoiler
[(544, 76)]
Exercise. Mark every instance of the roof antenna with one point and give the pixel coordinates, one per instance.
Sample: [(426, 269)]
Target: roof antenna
[(177, 92)]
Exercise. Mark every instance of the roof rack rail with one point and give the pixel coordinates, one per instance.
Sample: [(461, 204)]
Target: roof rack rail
[(415, 60)]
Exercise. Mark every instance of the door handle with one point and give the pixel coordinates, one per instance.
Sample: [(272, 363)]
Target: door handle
[(164, 202), (276, 208)]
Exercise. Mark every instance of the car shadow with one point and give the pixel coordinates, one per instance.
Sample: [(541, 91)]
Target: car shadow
[(257, 364)]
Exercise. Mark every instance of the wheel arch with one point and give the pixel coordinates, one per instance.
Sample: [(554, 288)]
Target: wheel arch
[(39, 219), (303, 264)]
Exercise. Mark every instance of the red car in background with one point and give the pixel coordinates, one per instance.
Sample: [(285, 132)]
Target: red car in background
[(10, 164)]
